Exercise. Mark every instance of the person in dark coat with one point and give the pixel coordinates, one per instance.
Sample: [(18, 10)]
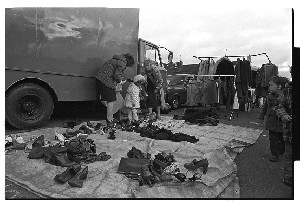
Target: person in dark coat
[(154, 84), (107, 78), (273, 122)]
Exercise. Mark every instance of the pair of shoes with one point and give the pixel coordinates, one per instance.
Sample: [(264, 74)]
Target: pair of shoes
[(103, 156), (74, 175), (273, 158), (112, 135), (194, 165), (288, 179)]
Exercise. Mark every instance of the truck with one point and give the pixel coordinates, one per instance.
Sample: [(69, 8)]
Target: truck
[(52, 55)]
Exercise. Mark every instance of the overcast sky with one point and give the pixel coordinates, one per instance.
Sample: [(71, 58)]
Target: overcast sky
[(209, 32)]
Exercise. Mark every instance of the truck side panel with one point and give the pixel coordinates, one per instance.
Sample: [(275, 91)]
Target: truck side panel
[(68, 44)]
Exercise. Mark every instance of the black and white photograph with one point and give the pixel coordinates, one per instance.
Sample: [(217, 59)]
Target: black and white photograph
[(156, 100)]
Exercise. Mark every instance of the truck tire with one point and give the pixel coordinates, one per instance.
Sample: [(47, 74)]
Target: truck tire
[(28, 106), (175, 102)]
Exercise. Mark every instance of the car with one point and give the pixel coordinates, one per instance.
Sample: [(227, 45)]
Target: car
[(176, 94)]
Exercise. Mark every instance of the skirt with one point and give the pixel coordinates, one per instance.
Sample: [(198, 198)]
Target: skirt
[(105, 93)]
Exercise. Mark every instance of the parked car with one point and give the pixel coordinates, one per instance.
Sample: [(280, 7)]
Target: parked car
[(176, 94)]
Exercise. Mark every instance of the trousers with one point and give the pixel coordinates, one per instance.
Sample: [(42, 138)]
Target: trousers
[(277, 144)]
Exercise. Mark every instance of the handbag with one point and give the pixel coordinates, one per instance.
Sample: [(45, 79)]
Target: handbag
[(132, 165)]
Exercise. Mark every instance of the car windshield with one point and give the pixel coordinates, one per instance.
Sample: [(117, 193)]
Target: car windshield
[(175, 80)]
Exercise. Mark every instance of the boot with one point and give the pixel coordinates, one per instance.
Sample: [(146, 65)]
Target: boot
[(67, 174), (147, 176), (39, 141), (77, 180), (194, 165), (61, 159)]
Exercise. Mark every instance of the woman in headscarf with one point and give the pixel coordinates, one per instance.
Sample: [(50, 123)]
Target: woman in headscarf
[(107, 77), (154, 82)]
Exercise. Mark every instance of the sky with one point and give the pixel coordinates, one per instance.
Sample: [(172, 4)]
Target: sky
[(216, 32)]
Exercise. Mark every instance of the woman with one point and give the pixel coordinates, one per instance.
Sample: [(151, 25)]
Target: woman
[(107, 77), (153, 86)]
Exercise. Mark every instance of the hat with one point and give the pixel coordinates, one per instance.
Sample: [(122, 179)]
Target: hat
[(138, 78)]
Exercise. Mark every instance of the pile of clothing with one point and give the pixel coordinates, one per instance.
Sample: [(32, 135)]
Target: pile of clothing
[(200, 117), (154, 132), (68, 153)]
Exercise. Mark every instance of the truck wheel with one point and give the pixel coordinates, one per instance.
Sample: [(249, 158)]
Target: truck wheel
[(175, 102), (28, 106)]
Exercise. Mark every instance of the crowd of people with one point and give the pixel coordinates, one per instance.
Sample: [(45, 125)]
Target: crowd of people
[(145, 89)]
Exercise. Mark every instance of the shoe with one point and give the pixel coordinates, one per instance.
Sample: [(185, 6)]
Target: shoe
[(180, 176), (39, 141), (98, 126), (89, 124), (147, 176), (273, 158), (112, 135), (103, 157), (86, 130), (68, 174), (194, 165), (61, 159), (77, 180)]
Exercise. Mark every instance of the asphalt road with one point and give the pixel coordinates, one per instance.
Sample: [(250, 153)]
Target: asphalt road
[(259, 178)]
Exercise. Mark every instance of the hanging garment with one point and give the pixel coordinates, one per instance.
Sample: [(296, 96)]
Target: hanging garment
[(268, 70), (212, 69), (201, 71), (210, 93), (224, 67)]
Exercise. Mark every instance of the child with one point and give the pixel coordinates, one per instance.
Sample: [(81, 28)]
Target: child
[(132, 99), (273, 123), (283, 108)]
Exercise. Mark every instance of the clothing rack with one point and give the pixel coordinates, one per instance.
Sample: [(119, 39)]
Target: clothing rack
[(216, 75)]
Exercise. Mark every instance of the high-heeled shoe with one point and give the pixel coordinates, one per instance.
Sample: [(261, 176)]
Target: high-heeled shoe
[(197, 164), (68, 174), (77, 180)]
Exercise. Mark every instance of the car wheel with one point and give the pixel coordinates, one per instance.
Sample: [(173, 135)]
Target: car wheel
[(28, 106), (175, 102)]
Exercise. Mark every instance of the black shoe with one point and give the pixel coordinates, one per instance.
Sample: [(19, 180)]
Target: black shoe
[(103, 156), (147, 176), (194, 165), (77, 180), (61, 159), (39, 141), (68, 174), (273, 158), (98, 126), (112, 134), (180, 176)]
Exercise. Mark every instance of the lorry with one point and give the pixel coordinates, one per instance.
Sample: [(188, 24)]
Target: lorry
[(52, 55)]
